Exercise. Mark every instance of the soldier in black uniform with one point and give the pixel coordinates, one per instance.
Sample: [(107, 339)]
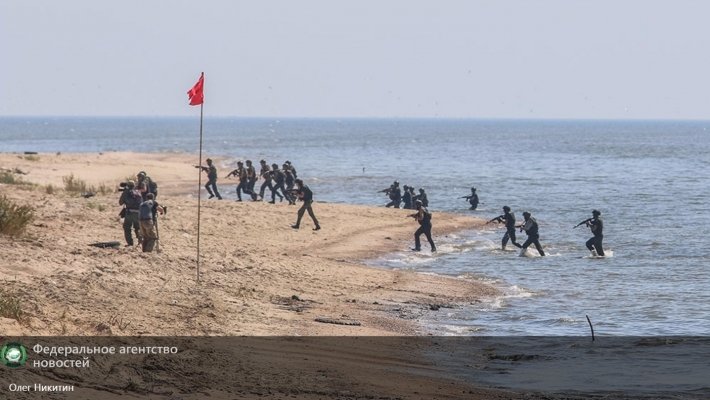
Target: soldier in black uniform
[(289, 179), (531, 229), (422, 197), (265, 173), (508, 218), (241, 173), (395, 195), (251, 180), (597, 226), (304, 193), (407, 201), (423, 216), (472, 199), (279, 179), (211, 184)]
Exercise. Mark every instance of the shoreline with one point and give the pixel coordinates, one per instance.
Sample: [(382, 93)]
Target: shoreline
[(255, 266)]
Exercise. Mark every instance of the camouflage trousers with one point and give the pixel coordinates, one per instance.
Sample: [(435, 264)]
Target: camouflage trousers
[(149, 235)]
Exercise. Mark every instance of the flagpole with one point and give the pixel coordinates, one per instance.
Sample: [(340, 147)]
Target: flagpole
[(199, 193)]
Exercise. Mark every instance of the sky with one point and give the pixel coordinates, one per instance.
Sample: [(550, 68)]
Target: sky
[(455, 59)]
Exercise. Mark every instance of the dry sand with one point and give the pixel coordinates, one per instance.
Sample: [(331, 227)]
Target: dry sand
[(259, 276)]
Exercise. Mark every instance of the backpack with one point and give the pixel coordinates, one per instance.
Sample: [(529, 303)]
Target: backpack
[(152, 186), (426, 219), (134, 199)]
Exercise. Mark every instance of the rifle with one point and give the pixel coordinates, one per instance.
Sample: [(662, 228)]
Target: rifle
[(466, 197), (202, 168), (499, 219), (232, 173), (389, 189), (586, 221)]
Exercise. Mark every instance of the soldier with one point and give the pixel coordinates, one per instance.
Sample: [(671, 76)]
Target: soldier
[(472, 199), (422, 197), (279, 179), (413, 196), (395, 195), (292, 169), (407, 198), (251, 180), (304, 193), (211, 184), (531, 229), (265, 173), (508, 218), (241, 173), (146, 185), (148, 215), (131, 200), (597, 226), (423, 216), (289, 179)]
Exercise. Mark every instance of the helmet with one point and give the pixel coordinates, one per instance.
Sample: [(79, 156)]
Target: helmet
[(209, 160), (596, 213), (275, 166), (473, 189), (418, 202), (141, 174), (240, 163), (506, 208), (526, 214), (248, 162), (421, 190), (130, 184)]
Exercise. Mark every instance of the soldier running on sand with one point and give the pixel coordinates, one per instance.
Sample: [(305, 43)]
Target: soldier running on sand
[(211, 184), (304, 193), (251, 180), (279, 179)]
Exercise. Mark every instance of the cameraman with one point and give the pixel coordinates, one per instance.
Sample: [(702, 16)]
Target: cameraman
[(131, 199)]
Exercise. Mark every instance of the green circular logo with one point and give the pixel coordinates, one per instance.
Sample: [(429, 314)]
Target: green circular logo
[(13, 355)]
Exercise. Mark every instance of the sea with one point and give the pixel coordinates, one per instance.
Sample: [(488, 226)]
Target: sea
[(649, 179)]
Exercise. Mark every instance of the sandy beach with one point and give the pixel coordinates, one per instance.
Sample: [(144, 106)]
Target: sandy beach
[(259, 276)]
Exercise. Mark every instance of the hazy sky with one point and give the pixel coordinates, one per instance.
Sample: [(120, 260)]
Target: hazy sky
[(477, 59)]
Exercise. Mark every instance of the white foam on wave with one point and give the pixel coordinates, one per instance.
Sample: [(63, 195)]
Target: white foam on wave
[(607, 254)]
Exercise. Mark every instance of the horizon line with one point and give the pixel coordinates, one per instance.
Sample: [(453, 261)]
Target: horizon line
[(362, 118)]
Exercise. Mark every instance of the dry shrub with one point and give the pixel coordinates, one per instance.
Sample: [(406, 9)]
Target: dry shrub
[(14, 218)]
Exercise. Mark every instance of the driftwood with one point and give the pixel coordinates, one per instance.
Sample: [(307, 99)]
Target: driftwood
[(338, 321)]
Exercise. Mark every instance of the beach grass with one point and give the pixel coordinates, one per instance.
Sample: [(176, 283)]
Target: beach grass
[(73, 184), (14, 218), (10, 306)]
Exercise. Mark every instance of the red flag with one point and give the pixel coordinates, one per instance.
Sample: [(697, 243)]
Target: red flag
[(195, 94)]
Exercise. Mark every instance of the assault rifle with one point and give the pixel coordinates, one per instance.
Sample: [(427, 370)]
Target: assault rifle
[(586, 221), (499, 219)]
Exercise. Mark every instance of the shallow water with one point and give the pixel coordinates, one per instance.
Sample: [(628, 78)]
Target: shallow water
[(649, 179)]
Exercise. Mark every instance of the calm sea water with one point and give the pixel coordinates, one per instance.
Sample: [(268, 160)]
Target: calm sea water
[(648, 178)]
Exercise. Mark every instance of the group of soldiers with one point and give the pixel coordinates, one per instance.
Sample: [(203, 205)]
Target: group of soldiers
[(406, 198), (530, 226), (420, 203), (140, 211), (282, 182)]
